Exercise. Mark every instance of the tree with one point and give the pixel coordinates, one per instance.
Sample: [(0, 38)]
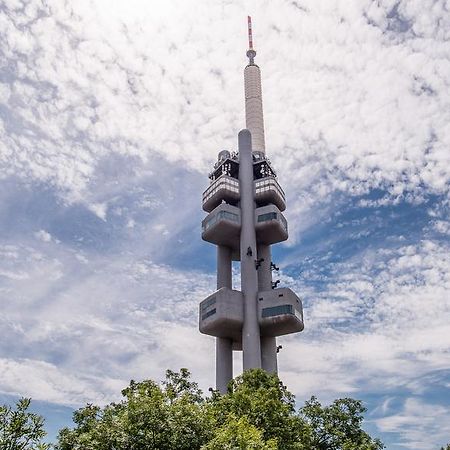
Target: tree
[(338, 426), (263, 400), (166, 417), (239, 434), (446, 448), (257, 412), (21, 429)]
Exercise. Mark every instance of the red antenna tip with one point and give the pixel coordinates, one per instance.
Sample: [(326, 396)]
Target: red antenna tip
[(250, 36)]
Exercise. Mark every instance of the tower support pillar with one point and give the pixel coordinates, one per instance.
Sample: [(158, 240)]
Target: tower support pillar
[(224, 346), (224, 267), (269, 354), (224, 363)]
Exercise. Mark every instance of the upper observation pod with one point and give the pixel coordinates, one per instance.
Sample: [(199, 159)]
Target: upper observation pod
[(254, 119)]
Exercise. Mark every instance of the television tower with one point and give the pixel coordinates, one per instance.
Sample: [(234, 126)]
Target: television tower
[(244, 203)]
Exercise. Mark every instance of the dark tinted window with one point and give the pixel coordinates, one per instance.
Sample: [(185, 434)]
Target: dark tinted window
[(277, 310)]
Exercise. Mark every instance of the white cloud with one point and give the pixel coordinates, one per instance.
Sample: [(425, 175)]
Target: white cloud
[(129, 318), (43, 236), (99, 209), (41, 380), (418, 423), (361, 110), (396, 334)]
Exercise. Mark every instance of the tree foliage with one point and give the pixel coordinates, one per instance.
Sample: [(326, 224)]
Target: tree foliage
[(257, 412), (166, 417), (337, 426), (266, 404), (21, 429), (239, 434)]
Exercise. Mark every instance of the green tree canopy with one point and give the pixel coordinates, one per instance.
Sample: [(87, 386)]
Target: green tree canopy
[(257, 412), (151, 416), (21, 429), (266, 404), (337, 426), (239, 434)]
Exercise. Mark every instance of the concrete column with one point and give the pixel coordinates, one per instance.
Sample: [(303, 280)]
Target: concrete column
[(268, 344), (224, 278), (224, 351), (224, 363), (269, 354), (251, 345)]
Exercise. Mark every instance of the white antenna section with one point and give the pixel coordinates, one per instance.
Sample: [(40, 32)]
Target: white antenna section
[(254, 119)]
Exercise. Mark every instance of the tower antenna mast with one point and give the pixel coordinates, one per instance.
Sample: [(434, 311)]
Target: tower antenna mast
[(250, 36), (251, 53)]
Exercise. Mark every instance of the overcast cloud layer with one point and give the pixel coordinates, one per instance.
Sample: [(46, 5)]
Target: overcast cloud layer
[(111, 115)]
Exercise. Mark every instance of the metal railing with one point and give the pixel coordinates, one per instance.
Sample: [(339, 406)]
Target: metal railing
[(223, 182), (269, 184)]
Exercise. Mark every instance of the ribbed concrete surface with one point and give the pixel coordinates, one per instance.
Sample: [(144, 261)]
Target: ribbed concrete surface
[(254, 119)]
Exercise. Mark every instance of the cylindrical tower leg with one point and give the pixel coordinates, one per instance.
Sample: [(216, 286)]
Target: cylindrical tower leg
[(224, 363), (223, 267), (224, 350), (268, 344), (269, 354), (251, 345)]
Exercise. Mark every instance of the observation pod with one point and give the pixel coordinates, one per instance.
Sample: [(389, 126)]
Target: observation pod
[(280, 312), (244, 203), (222, 314)]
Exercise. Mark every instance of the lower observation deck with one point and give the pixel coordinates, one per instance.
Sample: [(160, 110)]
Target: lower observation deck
[(270, 225), (222, 313), (222, 226), (280, 312)]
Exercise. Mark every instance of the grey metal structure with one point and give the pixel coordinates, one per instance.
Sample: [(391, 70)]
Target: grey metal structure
[(244, 203)]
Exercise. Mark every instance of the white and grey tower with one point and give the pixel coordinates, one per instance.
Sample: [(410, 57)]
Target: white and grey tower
[(244, 203)]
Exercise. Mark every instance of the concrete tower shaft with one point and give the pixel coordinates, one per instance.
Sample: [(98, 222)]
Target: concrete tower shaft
[(254, 119), (251, 345)]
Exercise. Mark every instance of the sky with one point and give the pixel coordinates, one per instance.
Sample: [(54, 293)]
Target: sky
[(111, 116)]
